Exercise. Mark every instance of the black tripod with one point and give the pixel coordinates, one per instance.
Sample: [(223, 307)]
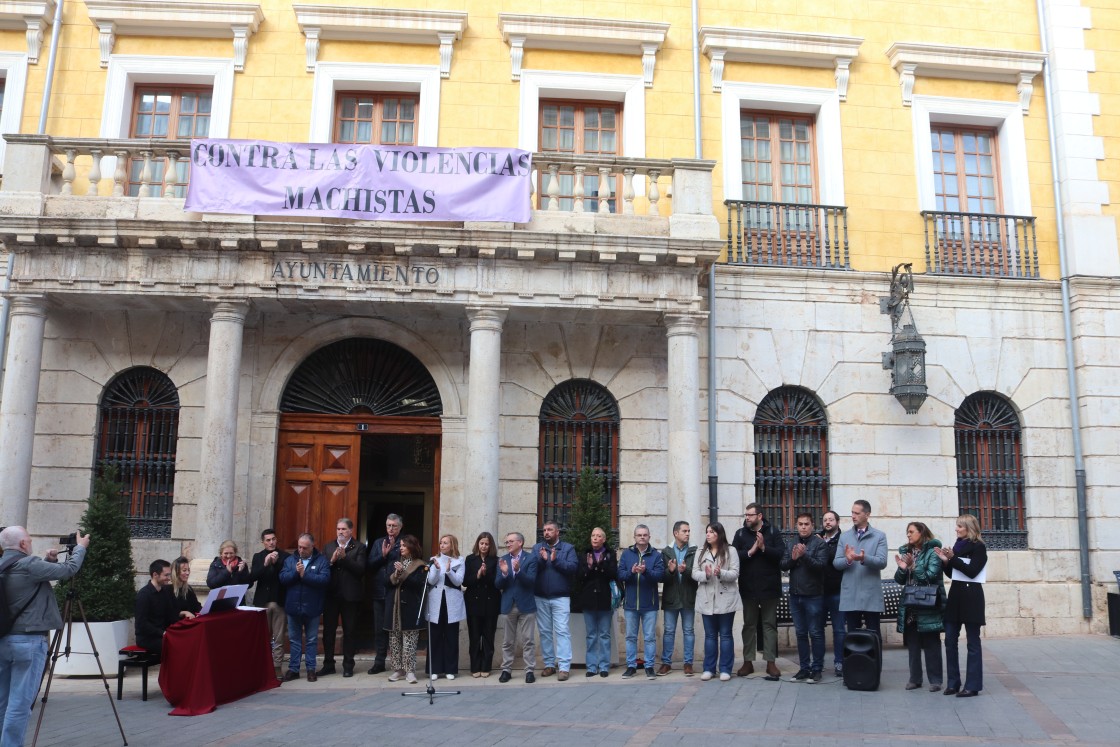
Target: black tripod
[(430, 691), (67, 630)]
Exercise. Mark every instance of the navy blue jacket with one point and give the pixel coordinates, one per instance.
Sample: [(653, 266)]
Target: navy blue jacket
[(518, 587), (305, 595), (641, 588), (554, 579)]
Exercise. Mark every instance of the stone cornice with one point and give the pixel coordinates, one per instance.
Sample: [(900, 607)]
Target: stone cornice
[(31, 16), (600, 35), (912, 60), (392, 25), (175, 18), (722, 45)]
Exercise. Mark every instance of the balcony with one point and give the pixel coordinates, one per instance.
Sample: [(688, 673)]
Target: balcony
[(781, 234), (980, 245)]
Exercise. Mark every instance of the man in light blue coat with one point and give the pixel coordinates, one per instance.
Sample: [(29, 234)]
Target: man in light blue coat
[(556, 565), (861, 554)]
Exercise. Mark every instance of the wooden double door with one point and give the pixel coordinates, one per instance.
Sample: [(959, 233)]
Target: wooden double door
[(319, 471)]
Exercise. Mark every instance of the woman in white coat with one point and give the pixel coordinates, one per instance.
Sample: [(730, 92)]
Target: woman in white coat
[(446, 608), (717, 598)]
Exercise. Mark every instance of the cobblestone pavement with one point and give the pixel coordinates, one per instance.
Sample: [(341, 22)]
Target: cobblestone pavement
[(1039, 690)]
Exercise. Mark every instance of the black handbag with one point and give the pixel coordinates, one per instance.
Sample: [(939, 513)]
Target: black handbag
[(920, 596)]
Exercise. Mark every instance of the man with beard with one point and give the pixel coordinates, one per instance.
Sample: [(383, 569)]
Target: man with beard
[(832, 579), (760, 547)]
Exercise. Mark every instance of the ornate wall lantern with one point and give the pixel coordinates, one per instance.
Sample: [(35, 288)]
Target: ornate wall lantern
[(906, 359)]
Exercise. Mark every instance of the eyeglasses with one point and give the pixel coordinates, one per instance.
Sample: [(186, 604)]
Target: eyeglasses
[(751, 516)]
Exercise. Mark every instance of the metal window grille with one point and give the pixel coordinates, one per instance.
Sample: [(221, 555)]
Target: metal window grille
[(790, 456), (579, 425), (138, 429), (989, 444)]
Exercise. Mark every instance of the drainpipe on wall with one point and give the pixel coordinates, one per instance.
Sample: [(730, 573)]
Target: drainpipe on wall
[(1067, 324), (713, 447), (5, 304)]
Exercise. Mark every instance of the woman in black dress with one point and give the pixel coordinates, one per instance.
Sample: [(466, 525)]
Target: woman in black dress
[(484, 603), (967, 560)]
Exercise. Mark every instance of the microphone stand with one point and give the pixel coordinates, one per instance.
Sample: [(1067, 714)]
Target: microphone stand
[(430, 691)]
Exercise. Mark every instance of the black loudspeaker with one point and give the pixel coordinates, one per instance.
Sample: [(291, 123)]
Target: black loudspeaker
[(863, 659), (1114, 615)]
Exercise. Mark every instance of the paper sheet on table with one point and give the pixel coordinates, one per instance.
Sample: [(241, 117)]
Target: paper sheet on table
[(981, 577)]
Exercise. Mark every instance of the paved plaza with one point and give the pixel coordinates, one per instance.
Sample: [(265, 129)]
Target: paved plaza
[(1040, 690)]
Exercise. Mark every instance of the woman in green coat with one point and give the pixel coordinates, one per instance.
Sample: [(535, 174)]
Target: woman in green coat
[(918, 563)]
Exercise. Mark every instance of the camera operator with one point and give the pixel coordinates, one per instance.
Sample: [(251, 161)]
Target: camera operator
[(31, 601)]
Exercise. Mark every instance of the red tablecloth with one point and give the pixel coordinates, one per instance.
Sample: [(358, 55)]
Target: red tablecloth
[(216, 659)]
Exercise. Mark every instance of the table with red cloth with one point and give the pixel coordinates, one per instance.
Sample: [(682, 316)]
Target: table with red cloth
[(216, 659)]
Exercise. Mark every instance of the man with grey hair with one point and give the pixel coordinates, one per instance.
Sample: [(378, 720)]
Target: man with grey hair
[(517, 575), (640, 569), (347, 558), (23, 651), (383, 553)]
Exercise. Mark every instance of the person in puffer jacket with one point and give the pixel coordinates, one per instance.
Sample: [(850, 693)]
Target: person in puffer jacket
[(640, 569)]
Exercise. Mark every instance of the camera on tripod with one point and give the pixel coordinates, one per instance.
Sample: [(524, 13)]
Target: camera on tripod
[(70, 540)]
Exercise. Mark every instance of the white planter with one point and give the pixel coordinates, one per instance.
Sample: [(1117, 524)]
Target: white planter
[(110, 638)]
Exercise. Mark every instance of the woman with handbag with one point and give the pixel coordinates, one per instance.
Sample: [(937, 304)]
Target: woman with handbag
[(717, 598), (403, 604), (598, 569), (484, 603), (965, 607), (446, 608), (919, 612)]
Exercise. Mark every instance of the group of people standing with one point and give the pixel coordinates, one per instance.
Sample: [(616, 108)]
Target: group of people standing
[(834, 576)]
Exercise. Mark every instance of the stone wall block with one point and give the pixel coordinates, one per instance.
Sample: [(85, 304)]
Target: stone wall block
[(1047, 601), (1006, 626), (519, 431)]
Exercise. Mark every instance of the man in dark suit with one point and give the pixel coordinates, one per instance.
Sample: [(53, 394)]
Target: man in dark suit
[(268, 592), (344, 596), (383, 553), (517, 575)]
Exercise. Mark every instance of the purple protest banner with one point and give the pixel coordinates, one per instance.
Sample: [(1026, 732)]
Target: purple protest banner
[(363, 182)]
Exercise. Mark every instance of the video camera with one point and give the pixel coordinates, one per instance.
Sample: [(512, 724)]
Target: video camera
[(70, 540)]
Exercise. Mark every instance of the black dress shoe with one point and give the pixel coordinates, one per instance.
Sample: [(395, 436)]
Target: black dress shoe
[(327, 669), (505, 677), (377, 668), (952, 690), (967, 694), (290, 675), (530, 678), (347, 672)]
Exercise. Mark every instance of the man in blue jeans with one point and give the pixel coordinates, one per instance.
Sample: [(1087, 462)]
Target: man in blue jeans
[(830, 533), (23, 651), (640, 569), (556, 565), (805, 559), (306, 576), (678, 599)]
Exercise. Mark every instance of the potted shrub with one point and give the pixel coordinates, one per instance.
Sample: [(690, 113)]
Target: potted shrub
[(105, 585)]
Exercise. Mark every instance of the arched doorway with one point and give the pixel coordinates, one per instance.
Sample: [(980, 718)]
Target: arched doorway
[(359, 437)]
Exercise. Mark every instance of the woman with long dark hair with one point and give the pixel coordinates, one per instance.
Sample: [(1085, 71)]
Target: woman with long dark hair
[(484, 603), (185, 599), (921, 628), (445, 608), (963, 563), (717, 599), (598, 568), (403, 606)]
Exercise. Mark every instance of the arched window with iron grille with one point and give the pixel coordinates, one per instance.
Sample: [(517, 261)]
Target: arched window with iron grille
[(989, 443), (791, 456), (137, 432), (578, 428)]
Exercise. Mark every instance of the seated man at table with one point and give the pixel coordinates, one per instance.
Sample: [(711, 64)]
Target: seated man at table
[(156, 608)]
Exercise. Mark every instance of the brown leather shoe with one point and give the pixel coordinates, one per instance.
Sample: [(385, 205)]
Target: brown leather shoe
[(290, 675), (663, 670), (687, 670), (562, 676), (548, 671), (747, 668), (311, 677), (772, 672)]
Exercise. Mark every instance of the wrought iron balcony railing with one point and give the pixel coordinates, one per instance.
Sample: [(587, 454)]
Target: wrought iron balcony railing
[(981, 245), (787, 234)]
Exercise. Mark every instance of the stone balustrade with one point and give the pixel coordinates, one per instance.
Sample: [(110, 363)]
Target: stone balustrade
[(609, 170)]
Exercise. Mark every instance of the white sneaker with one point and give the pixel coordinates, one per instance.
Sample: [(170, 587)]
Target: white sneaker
[(411, 677), (435, 677), (450, 676), (724, 676), (706, 676), (396, 675)]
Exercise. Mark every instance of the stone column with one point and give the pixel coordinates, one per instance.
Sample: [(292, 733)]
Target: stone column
[(683, 499), (219, 430), (17, 405), (480, 497)]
